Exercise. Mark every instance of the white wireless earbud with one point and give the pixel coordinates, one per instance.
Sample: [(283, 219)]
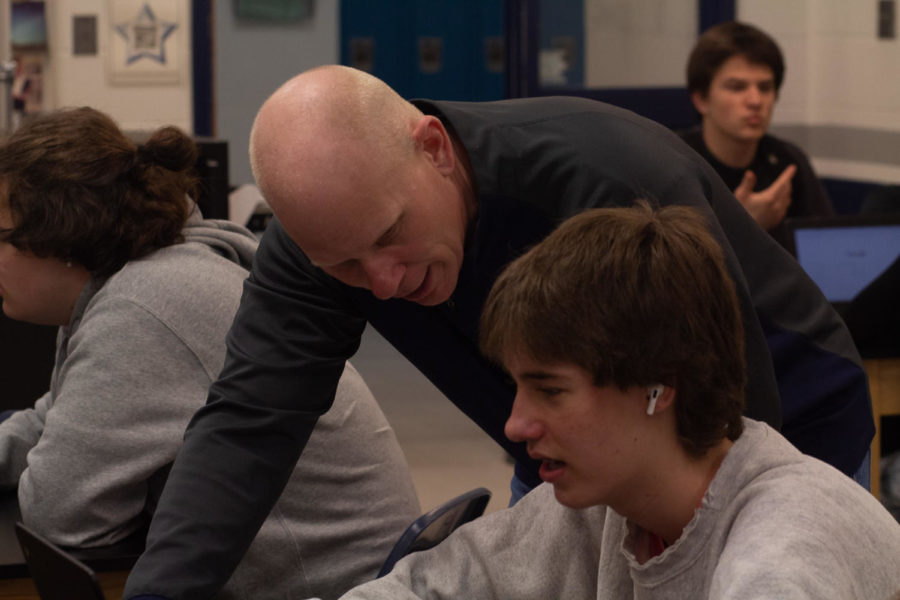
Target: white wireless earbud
[(653, 392)]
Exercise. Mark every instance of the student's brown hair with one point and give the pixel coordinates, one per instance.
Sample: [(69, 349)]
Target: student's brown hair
[(635, 296), (79, 190), (720, 42)]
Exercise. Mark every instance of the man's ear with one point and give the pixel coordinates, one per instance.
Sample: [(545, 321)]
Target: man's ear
[(700, 102), (431, 137)]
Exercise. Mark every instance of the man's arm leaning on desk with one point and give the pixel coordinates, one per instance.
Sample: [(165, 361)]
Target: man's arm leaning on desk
[(286, 352)]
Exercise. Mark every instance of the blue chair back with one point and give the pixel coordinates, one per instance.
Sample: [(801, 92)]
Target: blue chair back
[(433, 527)]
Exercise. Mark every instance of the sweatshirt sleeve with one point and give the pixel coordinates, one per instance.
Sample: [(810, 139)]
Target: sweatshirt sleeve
[(123, 396), (821, 536), (285, 353), (18, 435), (512, 553)]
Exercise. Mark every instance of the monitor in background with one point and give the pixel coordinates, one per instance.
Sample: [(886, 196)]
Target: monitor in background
[(855, 261), (212, 169), (27, 352), (843, 255)]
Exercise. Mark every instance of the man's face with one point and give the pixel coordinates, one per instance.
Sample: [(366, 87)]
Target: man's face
[(399, 235), (739, 103), (590, 439)]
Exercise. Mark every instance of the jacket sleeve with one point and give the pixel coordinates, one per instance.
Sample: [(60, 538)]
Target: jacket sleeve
[(114, 422), (822, 386), (285, 353), (19, 434)]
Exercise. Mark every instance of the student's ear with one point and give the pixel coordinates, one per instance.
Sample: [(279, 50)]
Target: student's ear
[(660, 398), (432, 138), (666, 400), (700, 102)]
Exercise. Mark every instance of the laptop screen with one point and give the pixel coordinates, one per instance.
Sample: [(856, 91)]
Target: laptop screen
[(843, 256)]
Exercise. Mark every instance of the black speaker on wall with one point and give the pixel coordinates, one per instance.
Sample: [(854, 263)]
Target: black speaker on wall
[(212, 169)]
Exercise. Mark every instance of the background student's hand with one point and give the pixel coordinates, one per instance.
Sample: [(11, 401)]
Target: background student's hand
[(767, 207)]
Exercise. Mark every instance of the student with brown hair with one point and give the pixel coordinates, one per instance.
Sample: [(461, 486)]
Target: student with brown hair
[(734, 74), (99, 238), (622, 333)]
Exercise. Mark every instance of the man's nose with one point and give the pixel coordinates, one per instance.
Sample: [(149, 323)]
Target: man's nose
[(384, 276)]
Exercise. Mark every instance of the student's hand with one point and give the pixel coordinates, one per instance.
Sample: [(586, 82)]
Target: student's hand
[(768, 206)]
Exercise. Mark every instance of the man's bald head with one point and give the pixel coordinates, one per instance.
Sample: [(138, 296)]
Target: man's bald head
[(368, 186), (323, 124)]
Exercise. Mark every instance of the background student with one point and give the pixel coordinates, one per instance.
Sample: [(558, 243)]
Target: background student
[(99, 238), (734, 74)]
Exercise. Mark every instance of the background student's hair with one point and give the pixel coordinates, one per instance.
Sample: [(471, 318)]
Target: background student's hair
[(79, 190), (635, 296)]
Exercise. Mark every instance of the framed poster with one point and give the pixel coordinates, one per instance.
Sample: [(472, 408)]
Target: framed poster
[(148, 41)]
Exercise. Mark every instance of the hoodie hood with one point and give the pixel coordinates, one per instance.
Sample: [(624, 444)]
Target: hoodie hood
[(236, 243)]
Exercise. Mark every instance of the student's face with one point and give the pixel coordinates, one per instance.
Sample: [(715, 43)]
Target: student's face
[(36, 290), (591, 440), (740, 100), (399, 236)]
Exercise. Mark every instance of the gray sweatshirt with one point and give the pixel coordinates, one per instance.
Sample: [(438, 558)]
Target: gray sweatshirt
[(773, 524), (132, 366)]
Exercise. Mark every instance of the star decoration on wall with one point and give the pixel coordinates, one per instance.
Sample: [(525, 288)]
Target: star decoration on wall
[(146, 36)]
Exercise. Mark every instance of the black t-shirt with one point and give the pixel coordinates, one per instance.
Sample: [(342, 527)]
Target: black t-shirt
[(773, 156)]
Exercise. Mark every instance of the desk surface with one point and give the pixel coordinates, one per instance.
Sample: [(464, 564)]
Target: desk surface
[(884, 385)]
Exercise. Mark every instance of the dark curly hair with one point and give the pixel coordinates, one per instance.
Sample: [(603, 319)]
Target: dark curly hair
[(79, 190)]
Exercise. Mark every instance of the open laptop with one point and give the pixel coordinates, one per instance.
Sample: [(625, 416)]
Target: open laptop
[(57, 575), (843, 255)]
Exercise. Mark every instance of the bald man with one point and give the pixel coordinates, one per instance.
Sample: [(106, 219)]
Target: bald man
[(402, 215)]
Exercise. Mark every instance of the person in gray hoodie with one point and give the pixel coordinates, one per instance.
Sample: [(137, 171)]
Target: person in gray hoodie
[(622, 333), (99, 236)]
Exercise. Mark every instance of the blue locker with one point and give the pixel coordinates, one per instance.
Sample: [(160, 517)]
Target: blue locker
[(443, 49)]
